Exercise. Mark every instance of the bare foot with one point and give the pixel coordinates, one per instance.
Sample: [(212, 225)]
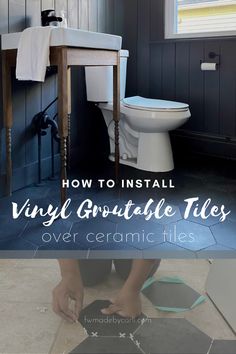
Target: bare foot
[(126, 304)]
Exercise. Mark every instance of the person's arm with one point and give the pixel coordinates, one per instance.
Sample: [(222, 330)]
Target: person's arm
[(128, 302), (140, 270), (70, 287), (69, 266)]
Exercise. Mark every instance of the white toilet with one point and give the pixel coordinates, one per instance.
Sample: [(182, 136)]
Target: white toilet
[(144, 125)]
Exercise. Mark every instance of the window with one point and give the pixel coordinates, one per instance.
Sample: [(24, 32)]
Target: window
[(200, 18)]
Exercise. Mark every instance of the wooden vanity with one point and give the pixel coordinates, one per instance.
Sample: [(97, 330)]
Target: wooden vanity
[(64, 57)]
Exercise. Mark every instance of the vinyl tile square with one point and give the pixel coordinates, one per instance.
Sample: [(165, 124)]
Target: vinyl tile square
[(18, 244), (106, 346), (165, 219), (189, 235), (223, 347), (98, 324), (49, 236), (167, 250), (94, 233), (210, 221), (171, 295), (217, 251), (140, 233), (225, 233), (15, 230), (171, 336)]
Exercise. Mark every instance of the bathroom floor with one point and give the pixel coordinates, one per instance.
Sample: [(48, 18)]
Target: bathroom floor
[(172, 237), (28, 324)]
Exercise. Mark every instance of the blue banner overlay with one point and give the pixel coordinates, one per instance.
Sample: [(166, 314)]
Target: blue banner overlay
[(138, 219)]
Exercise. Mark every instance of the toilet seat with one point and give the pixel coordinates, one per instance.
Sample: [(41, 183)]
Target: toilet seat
[(155, 105)]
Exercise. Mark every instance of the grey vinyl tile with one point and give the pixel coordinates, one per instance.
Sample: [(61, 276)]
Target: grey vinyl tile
[(115, 254), (11, 229), (32, 192), (165, 219), (98, 324), (93, 233), (17, 245), (171, 336), (189, 235), (223, 347), (140, 234), (105, 196), (57, 234), (106, 346), (171, 295), (210, 221), (167, 250), (225, 233), (217, 251)]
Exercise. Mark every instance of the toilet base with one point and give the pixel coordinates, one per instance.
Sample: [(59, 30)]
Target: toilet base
[(154, 153)]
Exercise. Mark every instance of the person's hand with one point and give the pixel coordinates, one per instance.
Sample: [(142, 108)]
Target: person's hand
[(69, 288), (126, 304)]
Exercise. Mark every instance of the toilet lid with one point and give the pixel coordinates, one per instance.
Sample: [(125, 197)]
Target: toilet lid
[(142, 103)]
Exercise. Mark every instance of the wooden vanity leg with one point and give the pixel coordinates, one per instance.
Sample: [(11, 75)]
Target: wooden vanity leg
[(116, 113), (63, 115), (8, 118), (69, 117)]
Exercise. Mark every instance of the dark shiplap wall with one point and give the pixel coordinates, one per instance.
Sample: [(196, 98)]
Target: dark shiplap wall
[(211, 95), (30, 98), (170, 69)]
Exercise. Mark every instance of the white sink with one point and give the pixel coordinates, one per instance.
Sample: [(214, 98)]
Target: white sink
[(70, 37)]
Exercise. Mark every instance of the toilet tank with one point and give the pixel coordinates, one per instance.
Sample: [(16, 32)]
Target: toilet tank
[(99, 80)]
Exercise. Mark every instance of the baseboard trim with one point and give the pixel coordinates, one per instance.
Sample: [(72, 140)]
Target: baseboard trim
[(203, 144)]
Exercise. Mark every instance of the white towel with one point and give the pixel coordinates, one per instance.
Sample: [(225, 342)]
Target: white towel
[(33, 54)]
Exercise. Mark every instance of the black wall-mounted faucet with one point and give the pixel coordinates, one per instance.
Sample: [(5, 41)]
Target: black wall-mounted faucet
[(48, 17)]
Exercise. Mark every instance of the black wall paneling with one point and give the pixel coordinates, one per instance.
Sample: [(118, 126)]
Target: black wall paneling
[(171, 69), (48, 4), (175, 73), (228, 88), (129, 13), (101, 16), (109, 27), (84, 14), (119, 9), (182, 72), (196, 87), (3, 16), (17, 19), (3, 29), (212, 91), (33, 9), (143, 48), (168, 71), (156, 17), (30, 98), (93, 15), (73, 9), (33, 101), (156, 75)]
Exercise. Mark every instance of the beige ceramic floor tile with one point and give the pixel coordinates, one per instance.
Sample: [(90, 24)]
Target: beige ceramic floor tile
[(193, 272), (8, 263), (210, 321), (185, 267), (38, 263), (68, 337), (28, 284), (24, 329)]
